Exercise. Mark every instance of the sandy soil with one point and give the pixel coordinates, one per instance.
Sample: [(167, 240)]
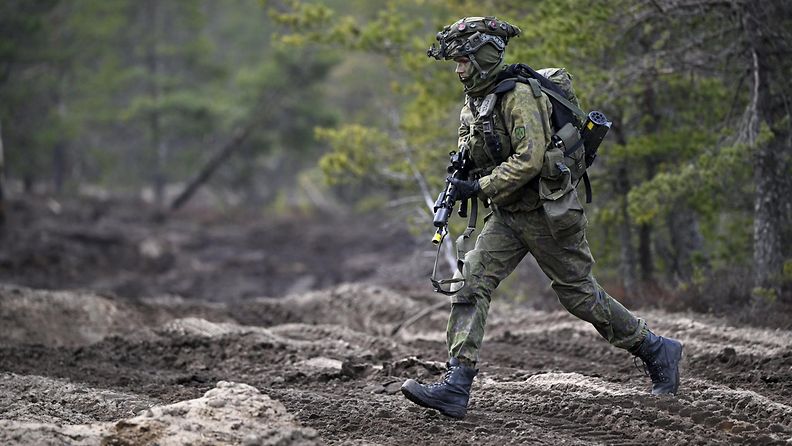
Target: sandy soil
[(320, 365)]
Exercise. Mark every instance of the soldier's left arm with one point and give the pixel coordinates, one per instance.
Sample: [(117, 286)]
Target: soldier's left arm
[(527, 120)]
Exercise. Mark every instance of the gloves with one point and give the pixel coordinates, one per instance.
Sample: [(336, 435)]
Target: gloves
[(465, 188)]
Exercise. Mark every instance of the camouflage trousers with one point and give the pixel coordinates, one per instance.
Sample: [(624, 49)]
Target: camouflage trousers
[(505, 239)]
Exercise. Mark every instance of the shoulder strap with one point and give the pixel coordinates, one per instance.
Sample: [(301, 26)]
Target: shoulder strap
[(536, 89), (587, 183), (560, 98)]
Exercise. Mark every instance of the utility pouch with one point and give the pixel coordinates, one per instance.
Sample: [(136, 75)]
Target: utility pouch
[(562, 209), (564, 215), (551, 166), (567, 138), (568, 141), (555, 179)]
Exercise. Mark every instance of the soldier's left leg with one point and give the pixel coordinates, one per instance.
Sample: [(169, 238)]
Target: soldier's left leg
[(567, 262)]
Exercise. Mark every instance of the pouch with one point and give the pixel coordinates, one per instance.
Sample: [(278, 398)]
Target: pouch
[(564, 215), (555, 179), (562, 208)]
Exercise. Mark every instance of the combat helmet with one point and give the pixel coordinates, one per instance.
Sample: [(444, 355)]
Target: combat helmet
[(468, 35)]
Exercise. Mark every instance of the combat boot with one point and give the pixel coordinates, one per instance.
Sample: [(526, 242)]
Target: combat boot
[(661, 357), (450, 396)]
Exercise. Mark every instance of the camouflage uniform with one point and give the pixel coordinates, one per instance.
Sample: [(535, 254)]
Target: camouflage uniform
[(535, 209), (521, 222)]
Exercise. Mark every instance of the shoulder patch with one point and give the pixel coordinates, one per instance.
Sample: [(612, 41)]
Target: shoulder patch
[(519, 133)]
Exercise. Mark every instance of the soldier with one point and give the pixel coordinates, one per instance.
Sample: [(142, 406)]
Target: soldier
[(520, 222)]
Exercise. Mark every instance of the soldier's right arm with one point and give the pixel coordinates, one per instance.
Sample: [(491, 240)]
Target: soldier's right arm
[(465, 118)]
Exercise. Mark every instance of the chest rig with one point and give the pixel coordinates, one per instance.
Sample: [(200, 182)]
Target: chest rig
[(484, 110), (488, 125)]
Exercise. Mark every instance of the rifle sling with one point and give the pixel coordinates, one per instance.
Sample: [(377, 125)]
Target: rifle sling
[(438, 283)]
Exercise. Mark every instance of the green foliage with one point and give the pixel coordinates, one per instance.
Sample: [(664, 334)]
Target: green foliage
[(764, 296), (355, 152), (347, 86), (675, 117), (143, 89), (788, 271)]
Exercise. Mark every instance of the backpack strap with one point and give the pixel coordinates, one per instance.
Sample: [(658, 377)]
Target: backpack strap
[(587, 183), (561, 99), (536, 89)]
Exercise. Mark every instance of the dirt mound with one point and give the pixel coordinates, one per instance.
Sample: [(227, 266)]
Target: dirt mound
[(82, 318), (231, 413), (61, 318), (32, 398), (361, 307), (73, 318)]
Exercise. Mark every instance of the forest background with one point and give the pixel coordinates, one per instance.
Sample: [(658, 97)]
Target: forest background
[(333, 107)]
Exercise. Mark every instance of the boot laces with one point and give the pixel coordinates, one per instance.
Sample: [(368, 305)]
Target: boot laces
[(446, 377), (651, 368)]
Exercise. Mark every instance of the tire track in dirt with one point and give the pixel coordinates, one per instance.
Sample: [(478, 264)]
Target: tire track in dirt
[(589, 408)]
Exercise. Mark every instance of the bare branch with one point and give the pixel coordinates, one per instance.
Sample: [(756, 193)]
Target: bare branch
[(448, 253)]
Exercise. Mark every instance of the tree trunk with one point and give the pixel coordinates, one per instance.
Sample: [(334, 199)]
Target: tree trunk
[(212, 165), (645, 253), (28, 182), (646, 258), (769, 162), (686, 240), (155, 128), (626, 251), (767, 256), (2, 184), (58, 166), (59, 151)]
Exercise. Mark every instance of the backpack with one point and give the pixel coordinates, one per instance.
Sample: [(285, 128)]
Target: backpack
[(577, 135)]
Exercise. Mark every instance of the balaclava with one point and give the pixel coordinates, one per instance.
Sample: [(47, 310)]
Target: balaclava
[(491, 61)]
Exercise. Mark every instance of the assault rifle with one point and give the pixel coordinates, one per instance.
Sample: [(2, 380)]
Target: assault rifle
[(444, 205), (459, 168)]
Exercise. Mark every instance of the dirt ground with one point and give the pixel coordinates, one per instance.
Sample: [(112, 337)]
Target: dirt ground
[(121, 329)]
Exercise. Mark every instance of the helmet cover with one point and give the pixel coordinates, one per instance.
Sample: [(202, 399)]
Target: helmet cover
[(466, 36)]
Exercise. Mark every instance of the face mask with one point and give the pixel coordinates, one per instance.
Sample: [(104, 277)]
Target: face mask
[(488, 58)]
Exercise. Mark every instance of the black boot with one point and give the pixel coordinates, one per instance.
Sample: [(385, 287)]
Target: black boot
[(661, 357), (450, 396)]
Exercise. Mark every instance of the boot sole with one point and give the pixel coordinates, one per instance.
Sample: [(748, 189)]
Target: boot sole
[(414, 398)]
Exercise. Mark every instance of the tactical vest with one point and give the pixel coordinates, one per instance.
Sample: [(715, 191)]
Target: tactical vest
[(484, 130)]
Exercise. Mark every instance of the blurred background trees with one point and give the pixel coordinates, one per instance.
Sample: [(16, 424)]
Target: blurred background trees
[(334, 105)]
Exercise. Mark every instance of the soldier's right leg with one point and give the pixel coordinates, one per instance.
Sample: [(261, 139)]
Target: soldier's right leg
[(497, 252)]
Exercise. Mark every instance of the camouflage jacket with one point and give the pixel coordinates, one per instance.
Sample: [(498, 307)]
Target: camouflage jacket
[(522, 122)]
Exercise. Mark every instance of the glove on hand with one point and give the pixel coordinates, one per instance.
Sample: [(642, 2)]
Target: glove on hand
[(465, 188)]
